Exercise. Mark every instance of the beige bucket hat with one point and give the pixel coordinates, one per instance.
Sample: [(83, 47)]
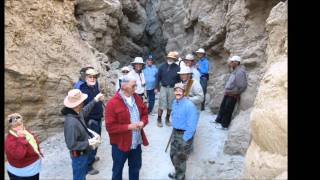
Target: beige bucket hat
[(74, 98), (173, 55), (92, 72)]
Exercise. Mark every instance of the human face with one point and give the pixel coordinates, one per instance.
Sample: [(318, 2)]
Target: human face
[(130, 87), (18, 127), (184, 77), (91, 80), (124, 72), (178, 93), (149, 62), (200, 55), (137, 67), (170, 60), (188, 63)]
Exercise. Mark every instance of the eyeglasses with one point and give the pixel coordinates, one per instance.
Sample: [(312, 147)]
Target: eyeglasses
[(125, 72)]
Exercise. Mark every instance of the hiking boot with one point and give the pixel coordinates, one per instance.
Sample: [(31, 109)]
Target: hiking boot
[(93, 171), (159, 123), (172, 175), (168, 122)]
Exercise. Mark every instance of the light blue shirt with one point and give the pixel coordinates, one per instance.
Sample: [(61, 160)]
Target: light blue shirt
[(134, 118), (150, 73), (29, 170), (203, 65), (184, 115)]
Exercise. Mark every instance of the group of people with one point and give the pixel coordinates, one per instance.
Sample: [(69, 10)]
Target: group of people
[(182, 87)]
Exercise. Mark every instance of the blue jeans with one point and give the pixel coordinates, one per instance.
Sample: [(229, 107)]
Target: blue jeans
[(119, 158), (80, 167), (203, 82), (96, 127), (151, 99)]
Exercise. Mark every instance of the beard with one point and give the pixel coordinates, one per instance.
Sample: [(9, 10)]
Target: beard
[(91, 83)]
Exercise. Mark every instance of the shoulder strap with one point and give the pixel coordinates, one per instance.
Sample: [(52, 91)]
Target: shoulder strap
[(188, 87)]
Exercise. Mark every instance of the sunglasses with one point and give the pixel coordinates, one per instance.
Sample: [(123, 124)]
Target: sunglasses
[(125, 72), (92, 77)]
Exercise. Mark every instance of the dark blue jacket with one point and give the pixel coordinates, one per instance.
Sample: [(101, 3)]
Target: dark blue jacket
[(97, 111), (168, 75)]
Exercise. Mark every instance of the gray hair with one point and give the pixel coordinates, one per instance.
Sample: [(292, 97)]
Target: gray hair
[(126, 78)]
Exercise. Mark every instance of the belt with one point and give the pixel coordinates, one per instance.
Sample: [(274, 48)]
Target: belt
[(77, 153), (179, 131), (167, 86)]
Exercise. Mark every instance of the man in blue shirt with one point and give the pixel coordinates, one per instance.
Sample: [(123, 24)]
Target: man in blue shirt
[(93, 121), (150, 74), (203, 67), (184, 120)]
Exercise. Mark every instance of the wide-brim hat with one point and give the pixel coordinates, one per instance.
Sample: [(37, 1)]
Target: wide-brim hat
[(185, 70), (189, 57), (200, 50), (173, 55), (92, 72), (74, 98), (137, 60)]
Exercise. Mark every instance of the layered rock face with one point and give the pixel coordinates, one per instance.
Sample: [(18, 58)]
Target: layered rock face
[(121, 29), (267, 155), (223, 28), (44, 54)]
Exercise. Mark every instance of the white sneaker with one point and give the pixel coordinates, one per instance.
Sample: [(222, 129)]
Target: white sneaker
[(219, 126)]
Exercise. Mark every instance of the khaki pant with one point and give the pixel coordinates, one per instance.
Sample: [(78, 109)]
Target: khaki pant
[(166, 97)]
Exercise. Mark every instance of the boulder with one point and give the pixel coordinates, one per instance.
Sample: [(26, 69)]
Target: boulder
[(239, 134)]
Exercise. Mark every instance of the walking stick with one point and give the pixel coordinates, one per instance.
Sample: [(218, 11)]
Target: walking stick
[(168, 142)]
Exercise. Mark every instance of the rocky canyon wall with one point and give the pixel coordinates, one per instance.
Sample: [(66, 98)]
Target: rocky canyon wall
[(267, 155), (43, 56)]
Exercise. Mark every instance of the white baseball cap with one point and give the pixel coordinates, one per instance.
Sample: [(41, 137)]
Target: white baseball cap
[(200, 50), (235, 58)]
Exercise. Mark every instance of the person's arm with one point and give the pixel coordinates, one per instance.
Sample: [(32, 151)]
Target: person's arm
[(112, 124), (241, 81), (17, 148), (87, 109), (192, 120), (158, 79), (71, 132), (198, 98)]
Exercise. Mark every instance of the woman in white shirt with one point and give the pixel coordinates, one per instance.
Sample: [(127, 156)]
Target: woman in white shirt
[(138, 75)]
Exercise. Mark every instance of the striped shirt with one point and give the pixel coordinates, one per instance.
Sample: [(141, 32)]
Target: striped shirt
[(134, 118)]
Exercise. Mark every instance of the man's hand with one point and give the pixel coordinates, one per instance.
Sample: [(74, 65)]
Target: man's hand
[(140, 125), (133, 126), (99, 97)]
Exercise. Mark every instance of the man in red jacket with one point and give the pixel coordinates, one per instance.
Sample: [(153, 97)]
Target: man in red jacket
[(125, 117)]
